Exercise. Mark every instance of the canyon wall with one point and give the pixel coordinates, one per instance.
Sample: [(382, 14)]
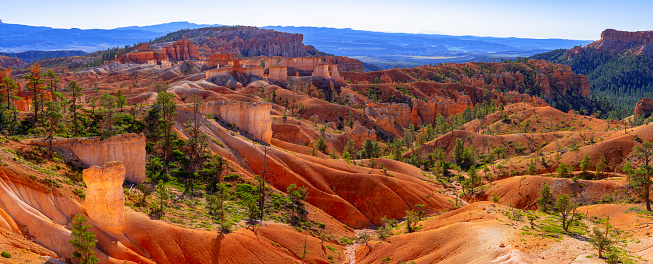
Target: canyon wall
[(129, 149), (105, 201), (253, 118)]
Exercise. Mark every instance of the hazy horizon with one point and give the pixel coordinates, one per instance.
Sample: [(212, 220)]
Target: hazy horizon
[(582, 20)]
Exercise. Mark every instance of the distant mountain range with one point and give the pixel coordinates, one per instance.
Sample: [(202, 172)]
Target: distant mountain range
[(404, 49), (18, 38), (383, 49)]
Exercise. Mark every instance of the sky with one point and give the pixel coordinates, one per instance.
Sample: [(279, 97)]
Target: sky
[(569, 19)]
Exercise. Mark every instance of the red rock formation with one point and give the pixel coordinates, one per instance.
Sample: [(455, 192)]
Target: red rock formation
[(615, 41), (345, 63), (218, 59), (182, 50), (143, 57), (253, 118), (105, 203), (278, 73), (129, 149), (644, 107), (250, 42), (11, 62), (321, 70)]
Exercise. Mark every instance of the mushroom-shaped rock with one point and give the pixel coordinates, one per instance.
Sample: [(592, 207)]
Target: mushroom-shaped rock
[(104, 195)]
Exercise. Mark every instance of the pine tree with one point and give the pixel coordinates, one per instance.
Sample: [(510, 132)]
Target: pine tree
[(168, 109), (10, 87), (83, 240), (640, 178), (197, 141), (75, 92), (52, 115), (108, 105), (53, 82), (546, 198), (34, 81)]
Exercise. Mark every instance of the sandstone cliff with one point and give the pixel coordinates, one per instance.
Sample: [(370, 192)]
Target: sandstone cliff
[(129, 149), (253, 118)]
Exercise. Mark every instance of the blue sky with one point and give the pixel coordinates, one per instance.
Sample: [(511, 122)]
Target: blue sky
[(500, 18)]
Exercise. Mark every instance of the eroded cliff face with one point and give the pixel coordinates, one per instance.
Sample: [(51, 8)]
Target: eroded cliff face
[(129, 149), (253, 118), (250, 42), (644, 107), (615, 41), (6, 62), (105, 202)]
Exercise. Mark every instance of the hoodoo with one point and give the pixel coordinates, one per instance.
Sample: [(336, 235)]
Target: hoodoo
[(105, 202)]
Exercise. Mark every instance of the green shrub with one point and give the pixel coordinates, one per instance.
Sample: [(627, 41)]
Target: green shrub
[(5, 254)]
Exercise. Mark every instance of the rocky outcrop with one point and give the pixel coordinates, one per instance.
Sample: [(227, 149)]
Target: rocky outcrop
[(299, 63), (6, 62), (182, 50), (345, 63), (129, 149), (615, 41), (143, 57), (359, 134), (105, 202), (278, 73), (321, 70), (243, 41), (253, 118), (644, 107)]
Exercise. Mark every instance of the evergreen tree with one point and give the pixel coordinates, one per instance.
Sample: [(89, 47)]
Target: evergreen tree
[(296, 195), (108, 106), (121, 100), (34, 82), (53, 82), (167, 108), (197, 143), (53, 117), (83, 240), (567, 210), (641, 177), (546, 198), (75, 93)]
